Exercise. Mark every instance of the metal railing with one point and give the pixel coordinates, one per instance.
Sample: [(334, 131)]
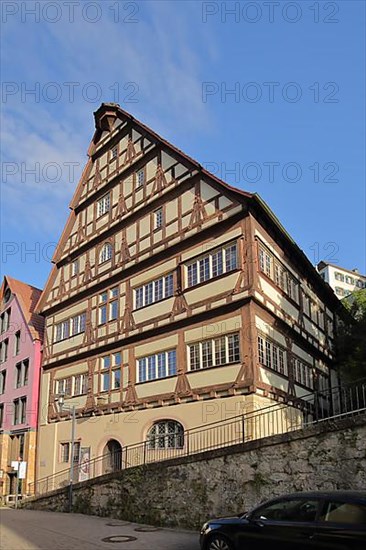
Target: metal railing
[(293, 414)]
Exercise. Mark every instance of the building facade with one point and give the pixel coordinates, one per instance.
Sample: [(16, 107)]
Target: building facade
[(174, 300), (21, 333), (342, 281)]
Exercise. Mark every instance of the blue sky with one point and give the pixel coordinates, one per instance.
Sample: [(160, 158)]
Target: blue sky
[(293, 128)]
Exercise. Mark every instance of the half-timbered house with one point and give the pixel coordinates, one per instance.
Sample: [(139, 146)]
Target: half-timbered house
[(174, 300)]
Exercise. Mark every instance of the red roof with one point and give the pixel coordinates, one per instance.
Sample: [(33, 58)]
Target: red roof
[(28, 297)]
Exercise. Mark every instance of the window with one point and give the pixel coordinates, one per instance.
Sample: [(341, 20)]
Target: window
[(21, 373), (70, 327), (339, 276), (323, 382), (64, 386), (158, 218), (214, 352), (4, 321), (62, 330), (104, 205), (350, 280), (74, 268), (2, 381), (272, 355), (7, 295), (166, 434), (140, 178), (1, 415), (105, 253), (213, 264), (65, 452), (114, 152), (80, 384), (17, 343), (110, 372), (303, 373), (159, 365), (73, 385), (344, 512), (77, 324), (21, 446), (20, 406), (108, 305), (266, 262), (4, 350), (281, 276), (297, 510), (154, 291)]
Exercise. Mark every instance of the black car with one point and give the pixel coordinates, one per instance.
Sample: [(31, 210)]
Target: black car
[(334, 520)]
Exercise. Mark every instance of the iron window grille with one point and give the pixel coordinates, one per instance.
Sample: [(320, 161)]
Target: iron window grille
[(166, 434)]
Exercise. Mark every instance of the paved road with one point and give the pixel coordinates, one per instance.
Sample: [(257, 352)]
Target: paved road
[(33, 530)]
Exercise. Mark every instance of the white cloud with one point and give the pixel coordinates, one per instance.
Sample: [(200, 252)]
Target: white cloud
[(157, 54)]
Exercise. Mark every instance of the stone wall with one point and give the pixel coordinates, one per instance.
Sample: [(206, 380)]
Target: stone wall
[(185, 492)]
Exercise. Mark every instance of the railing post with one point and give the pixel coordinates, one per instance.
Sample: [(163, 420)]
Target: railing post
[(243, 428), (145, 446), (188, 433)]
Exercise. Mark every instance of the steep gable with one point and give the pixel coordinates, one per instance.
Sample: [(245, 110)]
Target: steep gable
[(28, 297), (122, 152)]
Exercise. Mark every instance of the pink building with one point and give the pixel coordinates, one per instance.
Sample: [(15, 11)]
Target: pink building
[(21, 333)]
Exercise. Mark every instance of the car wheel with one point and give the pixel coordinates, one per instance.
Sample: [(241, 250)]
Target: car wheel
[(218, 542)]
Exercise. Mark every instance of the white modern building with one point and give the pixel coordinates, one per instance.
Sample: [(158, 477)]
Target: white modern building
[(343, 281)]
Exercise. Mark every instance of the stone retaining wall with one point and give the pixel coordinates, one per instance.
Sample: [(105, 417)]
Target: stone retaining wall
[(185, 492)]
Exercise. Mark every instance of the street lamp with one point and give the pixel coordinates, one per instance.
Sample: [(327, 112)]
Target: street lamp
[(61, 401)]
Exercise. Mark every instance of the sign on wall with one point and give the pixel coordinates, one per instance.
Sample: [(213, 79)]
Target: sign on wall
[(84, 465), (22, 470)]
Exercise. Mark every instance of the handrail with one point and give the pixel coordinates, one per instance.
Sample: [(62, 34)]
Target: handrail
[(294, 413)]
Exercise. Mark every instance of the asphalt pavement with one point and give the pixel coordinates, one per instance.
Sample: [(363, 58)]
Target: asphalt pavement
[(34, 530)]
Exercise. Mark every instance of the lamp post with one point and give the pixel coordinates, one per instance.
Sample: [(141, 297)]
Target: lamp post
[(61, 402)]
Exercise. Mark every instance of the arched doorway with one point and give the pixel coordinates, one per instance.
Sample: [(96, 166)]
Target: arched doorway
[(113, 455)]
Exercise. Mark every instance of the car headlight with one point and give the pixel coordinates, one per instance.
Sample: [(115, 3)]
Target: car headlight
[(205, 528)]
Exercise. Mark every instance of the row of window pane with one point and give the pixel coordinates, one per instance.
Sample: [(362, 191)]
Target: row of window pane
[(109, 308), (70, 327), (105, 253), (65, 452), (104, 205), (154, 291), (269, 265), (73, 385), (159, 365), (303, 373), (214, 352), (111, 372), (272, 356), (349, 280), (212, 265)]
